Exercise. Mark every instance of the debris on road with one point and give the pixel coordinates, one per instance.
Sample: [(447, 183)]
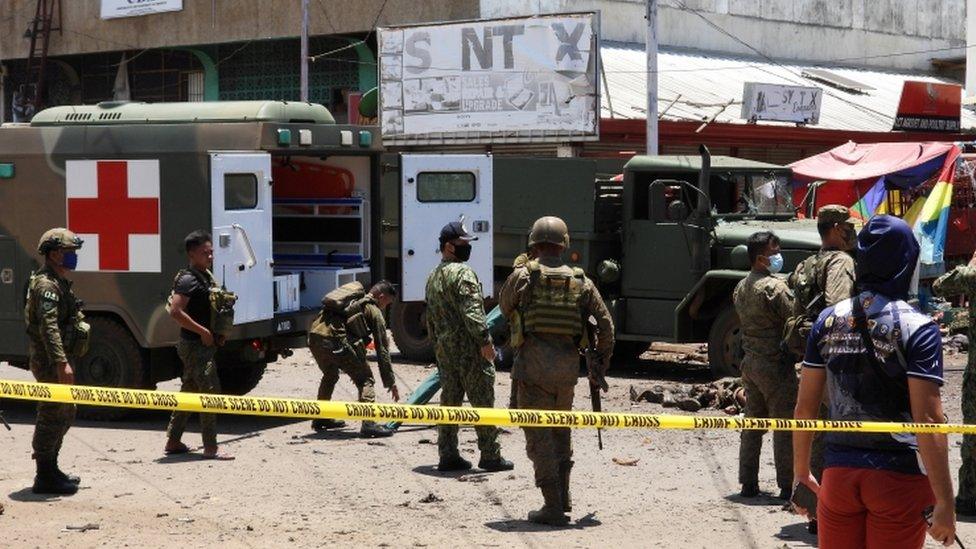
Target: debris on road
[(628, 462), (83, 528), (725, 394), (431, 498), (473, 478)]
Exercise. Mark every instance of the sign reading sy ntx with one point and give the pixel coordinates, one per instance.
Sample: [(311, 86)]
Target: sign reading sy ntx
[(800, 104), (482, 79)]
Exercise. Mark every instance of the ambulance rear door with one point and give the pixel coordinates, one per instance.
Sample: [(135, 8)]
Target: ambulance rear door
[(241, 210), (435, 190)]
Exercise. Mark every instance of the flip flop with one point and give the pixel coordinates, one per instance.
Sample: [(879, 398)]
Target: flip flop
[(220, 456), (181, 449)]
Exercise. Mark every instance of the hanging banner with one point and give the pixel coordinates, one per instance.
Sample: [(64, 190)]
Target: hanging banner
[(504, 80), (112, 9), (929, 107)]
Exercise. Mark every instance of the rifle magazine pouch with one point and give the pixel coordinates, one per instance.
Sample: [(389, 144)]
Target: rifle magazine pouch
[(80, 340), (222, 311)]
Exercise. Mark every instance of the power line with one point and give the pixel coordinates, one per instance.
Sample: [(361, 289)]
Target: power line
[(357, 43)]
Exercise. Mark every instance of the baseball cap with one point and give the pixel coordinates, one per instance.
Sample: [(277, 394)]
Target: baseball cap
[(455, 230)]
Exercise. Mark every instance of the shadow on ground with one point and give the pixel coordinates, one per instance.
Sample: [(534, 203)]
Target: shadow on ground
[(519, 525)]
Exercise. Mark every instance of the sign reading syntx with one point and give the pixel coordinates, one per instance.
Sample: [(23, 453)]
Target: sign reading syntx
[(508, 79)]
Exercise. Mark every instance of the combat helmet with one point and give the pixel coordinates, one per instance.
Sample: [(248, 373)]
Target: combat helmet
[(58, 238), (549, 229)]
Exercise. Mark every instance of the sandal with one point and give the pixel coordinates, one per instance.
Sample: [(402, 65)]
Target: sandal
[(181, 449)]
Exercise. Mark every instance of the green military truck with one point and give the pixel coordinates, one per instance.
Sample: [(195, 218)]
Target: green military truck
[(132, 179), (664, 242)]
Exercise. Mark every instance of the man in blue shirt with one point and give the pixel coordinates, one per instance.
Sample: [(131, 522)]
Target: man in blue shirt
[(878, 359)]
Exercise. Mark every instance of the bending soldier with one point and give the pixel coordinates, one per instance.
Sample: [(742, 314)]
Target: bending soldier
[(763, 303), (58, 336), (463, 348), (549, 304), (338, 339)]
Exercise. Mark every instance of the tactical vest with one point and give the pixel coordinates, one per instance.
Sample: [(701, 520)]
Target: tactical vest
[(75, 332), (810, 297), (551, 301), (221, 301), (348, 303)]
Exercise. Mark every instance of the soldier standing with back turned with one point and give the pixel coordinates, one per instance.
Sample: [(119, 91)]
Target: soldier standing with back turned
[(56, 331), (463, 348), (763, 303), (549, 304), (962, 280)]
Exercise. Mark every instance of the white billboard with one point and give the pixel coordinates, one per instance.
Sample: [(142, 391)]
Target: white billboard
[(799, 104), (112, 9), (503, 80)]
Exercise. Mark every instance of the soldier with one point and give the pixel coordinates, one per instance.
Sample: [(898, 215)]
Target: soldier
[(549, 304), (190, 306), (338, 339), (825, 279), (464, 351), (58, 336), (962, 280), (763, 303)]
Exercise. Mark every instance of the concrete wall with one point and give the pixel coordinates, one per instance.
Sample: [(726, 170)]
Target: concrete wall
[(849, 32), (213, 21)]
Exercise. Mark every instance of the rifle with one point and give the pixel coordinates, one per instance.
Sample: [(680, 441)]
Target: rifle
[(594, 365), (4, 421)]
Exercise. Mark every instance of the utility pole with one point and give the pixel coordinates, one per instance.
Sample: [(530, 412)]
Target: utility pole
[(651, 50), (304, 76)]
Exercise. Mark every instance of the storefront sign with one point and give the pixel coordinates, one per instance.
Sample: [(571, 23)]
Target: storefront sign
[(929, 107), (112, 9), (503, 80), (799, 104)]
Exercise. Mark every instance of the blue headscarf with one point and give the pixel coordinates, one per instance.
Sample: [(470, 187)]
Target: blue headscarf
[(887, 254)]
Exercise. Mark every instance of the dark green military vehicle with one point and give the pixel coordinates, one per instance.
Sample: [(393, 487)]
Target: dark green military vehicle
[(664, 242), (132, 179)]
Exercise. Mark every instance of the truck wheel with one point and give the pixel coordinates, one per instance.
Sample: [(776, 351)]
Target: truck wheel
[(238, 377), (725, 344), (114, 359), (409, 324)]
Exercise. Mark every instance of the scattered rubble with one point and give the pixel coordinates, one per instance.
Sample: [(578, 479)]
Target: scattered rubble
[(725, 394)]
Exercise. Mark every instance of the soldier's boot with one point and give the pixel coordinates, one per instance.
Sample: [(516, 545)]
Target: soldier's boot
[(47, 480), (565, 468), (495, 465), (371, 429), (750, 490), (323, 424), (454, 463), (74, 479), (551, 512)]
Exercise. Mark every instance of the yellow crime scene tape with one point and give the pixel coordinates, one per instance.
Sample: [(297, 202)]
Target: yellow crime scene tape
[(314, 409)]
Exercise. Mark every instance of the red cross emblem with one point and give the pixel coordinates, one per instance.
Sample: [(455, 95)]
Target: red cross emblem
[(114, 206)]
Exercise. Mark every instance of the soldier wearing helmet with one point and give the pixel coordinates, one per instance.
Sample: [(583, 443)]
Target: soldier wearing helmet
[(58, 336), (549, 305)]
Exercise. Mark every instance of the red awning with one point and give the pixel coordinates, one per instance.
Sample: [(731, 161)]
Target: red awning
[(854, 162)]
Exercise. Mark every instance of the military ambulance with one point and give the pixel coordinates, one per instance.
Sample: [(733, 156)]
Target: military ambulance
[(287, 193)]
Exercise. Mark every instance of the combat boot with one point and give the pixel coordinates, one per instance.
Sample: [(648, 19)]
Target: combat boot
[(551, 512), (74, 479), (371, 429), (495, 465), (565, 469), (455, 463), (323, 424), (47, 480)]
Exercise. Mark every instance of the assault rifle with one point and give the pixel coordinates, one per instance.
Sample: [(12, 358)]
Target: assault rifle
[(594, 367)]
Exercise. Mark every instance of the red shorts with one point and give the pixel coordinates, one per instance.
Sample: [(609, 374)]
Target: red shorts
[(870, 508)]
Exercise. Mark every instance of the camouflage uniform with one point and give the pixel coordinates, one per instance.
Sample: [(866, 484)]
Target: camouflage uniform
[(962, 280), (456, 323), (51, 312), (547, 367), (763, 303), (336, 350), (199, 374)]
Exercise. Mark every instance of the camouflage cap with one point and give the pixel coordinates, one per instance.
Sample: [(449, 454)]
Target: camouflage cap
[(835, 213), (57, 239)]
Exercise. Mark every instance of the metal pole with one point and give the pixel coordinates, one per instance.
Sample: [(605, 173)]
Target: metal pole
[(651, 49), (304, 76)]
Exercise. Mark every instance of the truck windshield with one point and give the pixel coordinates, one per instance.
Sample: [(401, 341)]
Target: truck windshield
[(761, 194)]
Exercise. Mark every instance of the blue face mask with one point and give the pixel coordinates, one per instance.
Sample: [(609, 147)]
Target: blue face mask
[(70, 261), (775, 263)]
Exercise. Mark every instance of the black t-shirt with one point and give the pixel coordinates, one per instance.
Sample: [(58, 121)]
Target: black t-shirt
[(193, 284)]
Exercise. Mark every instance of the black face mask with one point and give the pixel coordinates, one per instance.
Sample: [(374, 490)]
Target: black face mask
[(462, 251)]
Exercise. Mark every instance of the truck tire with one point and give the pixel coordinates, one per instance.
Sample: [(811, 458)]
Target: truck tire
[(409, 324), (114, 359), (725, 344), (238, 377)]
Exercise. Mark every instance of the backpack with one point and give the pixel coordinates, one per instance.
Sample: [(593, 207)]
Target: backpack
[(550, 303), (810, 300), (347, 301)]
